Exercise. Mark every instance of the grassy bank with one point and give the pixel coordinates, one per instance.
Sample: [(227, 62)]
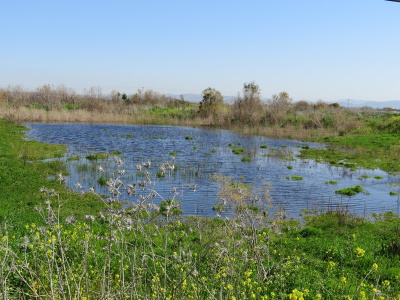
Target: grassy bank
[(77, 246)]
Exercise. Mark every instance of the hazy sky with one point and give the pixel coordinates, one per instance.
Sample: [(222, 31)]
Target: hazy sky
[(312, 49)]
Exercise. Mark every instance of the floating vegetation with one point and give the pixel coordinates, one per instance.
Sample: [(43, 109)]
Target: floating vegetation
[(129, 136), (115, 152), (283, 146), (252, 208), (213, 151), (305, 147), (294, 177), (96, 156), (393, 193), (394, 184), (378, 177), (195, 147), (160, 138), (102, 181), (238, 151), (76, 157), (246, 159), (105, 129), (331, 182), (350, 191), (230, 145), (189, 138), (289, 167), (264, 147), (365, 176), (173, 153)]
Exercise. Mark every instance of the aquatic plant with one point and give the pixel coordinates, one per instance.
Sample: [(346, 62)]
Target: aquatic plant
[(289, 167), (393, 193), (238, 151), (189, 138), (115, 152), (378, 177), (331, 182), (246, 159), (350, 191), (263, 146), (96, 156)]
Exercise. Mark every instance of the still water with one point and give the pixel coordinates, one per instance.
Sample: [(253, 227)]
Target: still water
[(200, 153)]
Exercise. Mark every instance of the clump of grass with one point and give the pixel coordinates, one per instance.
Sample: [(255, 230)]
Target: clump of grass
[(195, 147), (160, 174), (331, 182), (129, 136), (264, 147), (246, 159), (115, 152), (350, 191), (393, 193), (305, 147), (76, 157), (365, 176), (378, 177), (394, 184), (283, 146), (102, 181), (230, 145), (189, 138), (294, 177), (96, 156), (213, 151), (238, 151), (173, 153), (289, 167)]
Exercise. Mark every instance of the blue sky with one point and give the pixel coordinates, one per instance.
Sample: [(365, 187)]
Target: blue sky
[(327, 50)]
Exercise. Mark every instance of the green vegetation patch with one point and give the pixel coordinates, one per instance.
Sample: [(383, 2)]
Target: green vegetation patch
[(331, 182), (378, 177), (246, 159), (173, 153), (264, 147), (350, 191), (238, 151), (393, 193), (96, 156), (115, 152)]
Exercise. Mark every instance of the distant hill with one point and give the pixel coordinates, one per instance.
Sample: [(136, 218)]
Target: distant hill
[(395, 104)]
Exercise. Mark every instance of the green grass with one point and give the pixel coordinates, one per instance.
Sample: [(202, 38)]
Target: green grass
[(246, 159), (115, 152), (393, 193), (331, 182), (173, 153), (23, 174), (264, 147), (350, 191), (369, 151), (289, 167), (96, 156), (238, 151)]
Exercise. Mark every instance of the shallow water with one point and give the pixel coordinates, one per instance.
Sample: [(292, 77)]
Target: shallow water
[(209, 153)]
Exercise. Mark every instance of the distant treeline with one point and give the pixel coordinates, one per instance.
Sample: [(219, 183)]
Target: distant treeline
[(247, 108)]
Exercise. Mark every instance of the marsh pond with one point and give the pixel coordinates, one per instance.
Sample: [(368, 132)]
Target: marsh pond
[(199, 154)]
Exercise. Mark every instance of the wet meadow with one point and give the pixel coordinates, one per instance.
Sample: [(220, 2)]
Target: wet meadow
[(144, 212)]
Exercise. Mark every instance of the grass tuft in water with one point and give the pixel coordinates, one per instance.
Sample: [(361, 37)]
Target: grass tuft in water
[(350, 191), (393, 193), (331, 182), (238, 151), (246, 159), (97, 156)]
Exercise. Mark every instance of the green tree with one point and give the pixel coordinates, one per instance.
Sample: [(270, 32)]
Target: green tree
[(249, 107), (212, 103)]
